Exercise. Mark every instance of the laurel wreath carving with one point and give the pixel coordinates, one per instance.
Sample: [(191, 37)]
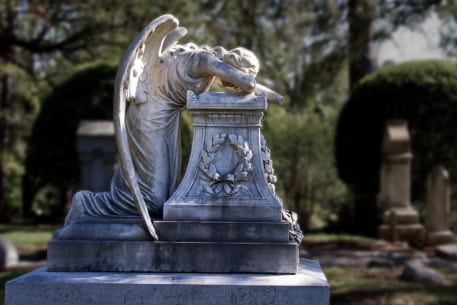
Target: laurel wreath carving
[(213, 182)]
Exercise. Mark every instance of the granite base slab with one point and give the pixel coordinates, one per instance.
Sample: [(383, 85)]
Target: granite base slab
[(308, 287), (163, 256)]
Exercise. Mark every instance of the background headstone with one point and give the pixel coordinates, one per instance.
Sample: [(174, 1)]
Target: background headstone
[(8, 254), (97, 151), (438, 207), (401, 220)]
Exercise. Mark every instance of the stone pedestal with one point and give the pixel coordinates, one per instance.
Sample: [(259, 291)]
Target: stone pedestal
[(224, 217), (98, 244), (308, 287), (226, 176), (401, 220), (441, 238)]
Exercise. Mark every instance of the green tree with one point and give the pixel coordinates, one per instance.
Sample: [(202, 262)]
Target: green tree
[(37, 39), (302, 150), (52, 162), (41, 43)]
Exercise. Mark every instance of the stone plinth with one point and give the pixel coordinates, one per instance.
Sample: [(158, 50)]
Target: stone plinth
[(441, 238), (226, 176), (163, 256), (402, 224), (132, 229), (100, 244), (308, 287)]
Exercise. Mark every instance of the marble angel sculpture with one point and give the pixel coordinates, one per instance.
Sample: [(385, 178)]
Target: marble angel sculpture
[(153, 79)]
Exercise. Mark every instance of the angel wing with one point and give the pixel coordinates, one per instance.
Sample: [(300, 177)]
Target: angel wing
[(136, 70)]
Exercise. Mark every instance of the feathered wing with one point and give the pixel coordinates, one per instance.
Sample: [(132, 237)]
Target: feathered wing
[(137, 68)]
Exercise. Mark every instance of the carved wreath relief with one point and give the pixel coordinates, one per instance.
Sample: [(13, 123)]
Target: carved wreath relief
[(213, 180)]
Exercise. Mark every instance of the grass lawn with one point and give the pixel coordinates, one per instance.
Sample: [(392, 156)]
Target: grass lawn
[(381, 286), (29, 240)]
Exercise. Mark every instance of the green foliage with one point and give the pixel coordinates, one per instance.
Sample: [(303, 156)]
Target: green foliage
[(51, 153), (301, 150), (27, 238), (17, 117), (422, 92), (52, 166)]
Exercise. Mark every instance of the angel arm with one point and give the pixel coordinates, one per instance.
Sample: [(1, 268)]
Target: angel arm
[(208, 64), (272, 96), (226, 74)]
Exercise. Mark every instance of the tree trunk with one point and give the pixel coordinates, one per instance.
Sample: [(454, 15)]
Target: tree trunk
[(5, 106), (360, 17)]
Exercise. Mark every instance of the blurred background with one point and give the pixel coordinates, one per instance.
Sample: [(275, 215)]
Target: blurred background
[(344, 67)]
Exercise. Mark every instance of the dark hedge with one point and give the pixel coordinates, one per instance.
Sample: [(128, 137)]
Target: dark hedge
[(51, 153), (422, 92)]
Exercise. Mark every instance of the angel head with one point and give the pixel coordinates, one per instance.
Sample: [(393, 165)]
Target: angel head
[(239, 58)]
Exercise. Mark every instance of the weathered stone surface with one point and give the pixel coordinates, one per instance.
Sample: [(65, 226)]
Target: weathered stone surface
[(8, 254), (401, 220), (104, 228), (439, 207), (132, 228), (97, 152), (308, 287), (413, 233), (415, 271), (447, 251), (441, 238), (223, 231), (402, 216), (438, 199), (162, 256), (226, 176)]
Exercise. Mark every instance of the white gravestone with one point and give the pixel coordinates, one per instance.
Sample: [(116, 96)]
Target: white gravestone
[(438, 207)]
